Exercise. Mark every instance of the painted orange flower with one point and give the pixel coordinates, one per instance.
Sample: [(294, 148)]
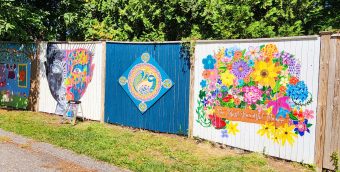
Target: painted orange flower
[(206, 74), (219, 55), (230, 66), (238, 54), (293, 80), (283, 88), (247, 79), (237, 101), (269, 50)]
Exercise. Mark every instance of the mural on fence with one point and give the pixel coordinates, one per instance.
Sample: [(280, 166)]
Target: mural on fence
[(145, 82), (256, 85), (15, 71), (68, 71)]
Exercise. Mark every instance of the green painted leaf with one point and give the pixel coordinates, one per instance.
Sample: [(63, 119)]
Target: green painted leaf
[(292, 117)]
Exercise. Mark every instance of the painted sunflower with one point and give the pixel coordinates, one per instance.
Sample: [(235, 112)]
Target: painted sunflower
[(265, 73), (227, 78)]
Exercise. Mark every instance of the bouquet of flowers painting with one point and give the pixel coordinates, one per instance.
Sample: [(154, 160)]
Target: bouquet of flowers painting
[(258, 85)]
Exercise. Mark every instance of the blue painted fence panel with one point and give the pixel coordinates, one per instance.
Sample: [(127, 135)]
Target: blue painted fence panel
[(171, 112), (15, 74)]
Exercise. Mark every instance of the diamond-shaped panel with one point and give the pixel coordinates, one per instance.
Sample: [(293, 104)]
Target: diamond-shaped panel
[(145, 82)]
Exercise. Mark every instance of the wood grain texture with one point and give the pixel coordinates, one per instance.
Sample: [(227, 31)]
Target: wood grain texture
[(191, 95), (329, 132), (322, 99), (103, 72)]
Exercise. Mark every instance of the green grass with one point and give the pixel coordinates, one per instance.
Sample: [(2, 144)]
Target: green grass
[(131, 149)]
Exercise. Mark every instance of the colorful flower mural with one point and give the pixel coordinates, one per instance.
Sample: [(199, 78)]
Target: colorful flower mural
[(145, 81), (68, 72), (258, 85)]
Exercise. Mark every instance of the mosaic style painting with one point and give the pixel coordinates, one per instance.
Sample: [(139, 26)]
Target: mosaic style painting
[(68, 71), (15, 71), (145, 82), (259, 85)]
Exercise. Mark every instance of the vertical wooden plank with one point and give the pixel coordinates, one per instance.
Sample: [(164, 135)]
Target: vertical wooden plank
[(334, 144), (329, 131), (34, 89), (322, 99), (192, 90), (103, 75)]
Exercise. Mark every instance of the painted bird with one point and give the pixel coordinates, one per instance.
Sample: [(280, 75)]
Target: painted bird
[(144, 83)]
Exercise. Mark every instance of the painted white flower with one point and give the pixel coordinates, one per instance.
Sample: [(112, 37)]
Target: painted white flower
[(284, 81)]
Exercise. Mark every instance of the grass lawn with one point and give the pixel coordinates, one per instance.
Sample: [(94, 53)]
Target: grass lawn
[(137, 150)]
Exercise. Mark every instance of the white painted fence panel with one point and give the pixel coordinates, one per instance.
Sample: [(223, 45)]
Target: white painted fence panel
[(91, 100), (238, 119)]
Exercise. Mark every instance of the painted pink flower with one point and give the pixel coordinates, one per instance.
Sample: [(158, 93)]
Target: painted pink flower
[(225, 59), (260, 108), (308, 114), (253, 52), (251, 94), (213, 75), (212, 86), (279, 103), (235, 91)]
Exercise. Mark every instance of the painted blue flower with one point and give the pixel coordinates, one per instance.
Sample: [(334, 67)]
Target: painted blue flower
[(209, 62), (240, 82), (205, 101), (203, 83), (224, 88), (229, 52), (282, 112), (251, 63), (301, 127), (224, 133), (298, 92), (219, 81)]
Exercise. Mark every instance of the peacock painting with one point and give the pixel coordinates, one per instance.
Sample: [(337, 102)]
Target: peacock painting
[(144, 83)]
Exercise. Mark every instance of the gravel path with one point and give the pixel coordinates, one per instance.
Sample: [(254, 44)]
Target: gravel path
[(18, 153)]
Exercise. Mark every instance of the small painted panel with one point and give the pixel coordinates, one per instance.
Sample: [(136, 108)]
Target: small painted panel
[(22, 79), (15, 71), (145, 82)]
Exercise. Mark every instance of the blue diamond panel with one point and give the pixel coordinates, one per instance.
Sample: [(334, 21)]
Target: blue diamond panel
[(145, 82)]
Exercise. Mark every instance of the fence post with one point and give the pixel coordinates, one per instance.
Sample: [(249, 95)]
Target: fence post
[(191, 90), (33, 98), (103, 77), (322, 99)]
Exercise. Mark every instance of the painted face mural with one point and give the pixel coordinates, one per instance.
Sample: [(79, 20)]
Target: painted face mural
[(15, 71), (68, 72), (259, 85)]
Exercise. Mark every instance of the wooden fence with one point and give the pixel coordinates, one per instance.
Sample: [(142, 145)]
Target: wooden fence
[(169, 113), (278, 96), (328, 117)]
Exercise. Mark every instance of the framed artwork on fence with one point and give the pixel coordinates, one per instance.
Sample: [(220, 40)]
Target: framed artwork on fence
[(145, 82), (22, 79)]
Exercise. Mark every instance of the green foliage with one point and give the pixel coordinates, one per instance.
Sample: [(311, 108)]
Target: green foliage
[(335, 160), (152, 20)]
